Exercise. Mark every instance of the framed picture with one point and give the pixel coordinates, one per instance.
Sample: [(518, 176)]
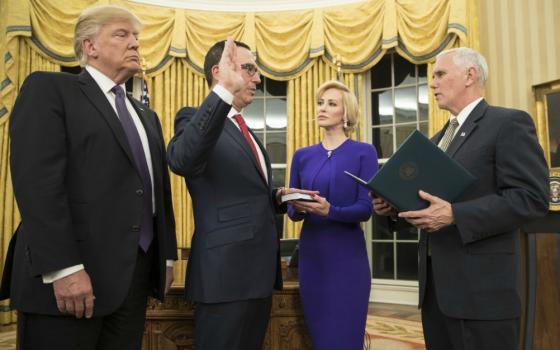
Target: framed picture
[(547, 120)]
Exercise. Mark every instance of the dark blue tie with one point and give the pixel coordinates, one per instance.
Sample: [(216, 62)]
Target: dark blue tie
[(147, 226)]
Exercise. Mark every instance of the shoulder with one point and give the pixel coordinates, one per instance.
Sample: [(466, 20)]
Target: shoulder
[(508, 117), (361, 148), (40, 77), (308, 150), (185, 112), (183, 116), (502, 114)]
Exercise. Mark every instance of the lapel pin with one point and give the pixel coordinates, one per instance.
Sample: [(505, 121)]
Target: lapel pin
[(463, 134)]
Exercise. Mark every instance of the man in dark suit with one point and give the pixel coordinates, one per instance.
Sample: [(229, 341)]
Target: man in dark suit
[(91, 182), (469, 255), (234, 261)]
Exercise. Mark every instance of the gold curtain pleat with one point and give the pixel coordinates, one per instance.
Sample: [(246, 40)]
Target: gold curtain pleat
[(28, 60)]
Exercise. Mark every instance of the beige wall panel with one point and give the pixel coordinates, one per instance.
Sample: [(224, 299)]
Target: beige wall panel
[(520, 40)]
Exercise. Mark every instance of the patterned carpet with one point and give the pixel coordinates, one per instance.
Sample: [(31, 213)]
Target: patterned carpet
[(385, 333)]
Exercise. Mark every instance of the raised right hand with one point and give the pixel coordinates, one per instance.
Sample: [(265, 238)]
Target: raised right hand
[(229, 73), (74, 294)]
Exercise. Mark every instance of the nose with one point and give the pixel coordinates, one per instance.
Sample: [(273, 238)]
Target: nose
[(134, 42), (256, 78), (433, 84)]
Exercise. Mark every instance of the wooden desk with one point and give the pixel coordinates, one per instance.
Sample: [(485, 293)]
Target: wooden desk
[(170, 325)]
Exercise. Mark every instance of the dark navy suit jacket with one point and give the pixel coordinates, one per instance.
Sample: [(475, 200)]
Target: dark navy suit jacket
[(235, 247), (476, 261)]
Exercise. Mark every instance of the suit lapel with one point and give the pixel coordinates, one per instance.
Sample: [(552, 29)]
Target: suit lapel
[(148, 123), (467, 128), (95, 95), (239, 139), (265, 155)]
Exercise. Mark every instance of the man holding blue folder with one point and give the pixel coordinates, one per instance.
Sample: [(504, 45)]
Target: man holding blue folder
[(469, 255)]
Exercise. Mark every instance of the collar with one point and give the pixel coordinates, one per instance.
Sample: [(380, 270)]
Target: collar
[(233, 112), (465, 112), (104, 82)]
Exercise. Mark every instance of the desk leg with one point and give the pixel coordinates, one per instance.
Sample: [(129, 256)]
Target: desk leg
[(531, 290)]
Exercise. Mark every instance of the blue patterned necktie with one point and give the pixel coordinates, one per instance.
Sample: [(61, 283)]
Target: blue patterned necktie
[(147, 225)]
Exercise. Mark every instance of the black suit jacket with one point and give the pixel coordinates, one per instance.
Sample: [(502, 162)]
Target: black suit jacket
[(476, 261), (235, 247), (79, 192)]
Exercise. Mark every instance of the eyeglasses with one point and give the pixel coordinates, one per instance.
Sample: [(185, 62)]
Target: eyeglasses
[(250, 68)]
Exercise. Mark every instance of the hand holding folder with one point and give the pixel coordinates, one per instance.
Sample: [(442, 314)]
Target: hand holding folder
[(418, 164)]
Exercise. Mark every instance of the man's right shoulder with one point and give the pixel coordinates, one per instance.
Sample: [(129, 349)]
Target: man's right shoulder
[(186, 111), (39, 77)]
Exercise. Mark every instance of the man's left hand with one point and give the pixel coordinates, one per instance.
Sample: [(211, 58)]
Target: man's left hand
[(168, 278), (435, 217)]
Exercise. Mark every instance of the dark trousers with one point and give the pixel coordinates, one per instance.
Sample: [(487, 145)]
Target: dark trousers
[(445, 333), (239, 325), (121, 330)]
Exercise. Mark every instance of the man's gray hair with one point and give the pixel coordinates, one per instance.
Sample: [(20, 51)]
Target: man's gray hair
[(93, 18), (465, 57)]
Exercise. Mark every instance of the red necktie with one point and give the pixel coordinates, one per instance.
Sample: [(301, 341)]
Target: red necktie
[(245, 131)]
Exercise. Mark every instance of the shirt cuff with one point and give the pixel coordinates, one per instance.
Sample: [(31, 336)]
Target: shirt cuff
[(56, 275), (169, 263), (223, 93)]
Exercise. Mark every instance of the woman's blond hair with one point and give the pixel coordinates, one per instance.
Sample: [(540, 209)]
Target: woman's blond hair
[(349, 103), (93, 18)]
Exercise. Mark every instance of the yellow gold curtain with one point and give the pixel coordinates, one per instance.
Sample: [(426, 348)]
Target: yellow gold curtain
[(28, 60), (176, 87)]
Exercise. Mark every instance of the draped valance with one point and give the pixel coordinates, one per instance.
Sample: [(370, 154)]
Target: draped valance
[(285, 42)]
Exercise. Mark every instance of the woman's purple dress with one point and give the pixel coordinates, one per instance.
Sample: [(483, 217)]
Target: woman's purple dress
[(334, 272)]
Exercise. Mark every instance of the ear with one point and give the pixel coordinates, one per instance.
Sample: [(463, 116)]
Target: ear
[(471, 76), (215, 70), (89, 49)]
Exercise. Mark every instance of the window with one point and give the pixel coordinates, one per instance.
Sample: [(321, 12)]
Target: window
[(399, 102), (268, 117), (399, 105)]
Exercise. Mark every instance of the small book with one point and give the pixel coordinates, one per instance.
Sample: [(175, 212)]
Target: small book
[(297, 197), (418, 164)]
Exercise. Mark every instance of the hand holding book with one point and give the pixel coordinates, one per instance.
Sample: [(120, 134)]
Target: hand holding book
[(296, 194)]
